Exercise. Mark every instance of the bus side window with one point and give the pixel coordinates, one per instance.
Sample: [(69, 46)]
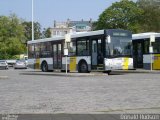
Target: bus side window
[(72, 48), (83, 47), (31, 52)]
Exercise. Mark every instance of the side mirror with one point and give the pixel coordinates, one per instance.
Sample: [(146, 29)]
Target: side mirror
[(108, 39)]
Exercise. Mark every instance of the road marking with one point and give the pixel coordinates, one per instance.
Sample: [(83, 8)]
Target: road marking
[(3, 77)]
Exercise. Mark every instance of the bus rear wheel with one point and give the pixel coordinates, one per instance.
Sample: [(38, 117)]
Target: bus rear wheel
[(44, 67), (83, 68)]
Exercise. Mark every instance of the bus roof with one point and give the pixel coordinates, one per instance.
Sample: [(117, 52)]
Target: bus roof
[(73, 35), (56, 38), (144, 35)]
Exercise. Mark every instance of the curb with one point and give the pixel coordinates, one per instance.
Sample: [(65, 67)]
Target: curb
[(66, 75), (88, 74), (137, 71)]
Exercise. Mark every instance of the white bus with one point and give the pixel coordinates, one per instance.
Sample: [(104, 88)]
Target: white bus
[(146, 50), (104, 50)]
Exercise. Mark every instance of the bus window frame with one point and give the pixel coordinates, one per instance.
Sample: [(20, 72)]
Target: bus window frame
[(87, 46)]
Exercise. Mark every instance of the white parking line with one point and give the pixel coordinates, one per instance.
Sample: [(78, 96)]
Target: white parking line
[(3, 77)]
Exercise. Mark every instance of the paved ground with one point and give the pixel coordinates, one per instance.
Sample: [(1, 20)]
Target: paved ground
[(28, 91)]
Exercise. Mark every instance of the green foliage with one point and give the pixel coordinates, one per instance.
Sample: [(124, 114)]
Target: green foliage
[(14, 35), (11, 36), (151, 17), (46, 33), (28, 30), (142, 16), (15, 57), (124, 15)]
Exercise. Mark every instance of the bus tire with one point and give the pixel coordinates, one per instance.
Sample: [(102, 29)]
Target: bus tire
[(108, 72), (65, 70), (44, 66), (83, 67)]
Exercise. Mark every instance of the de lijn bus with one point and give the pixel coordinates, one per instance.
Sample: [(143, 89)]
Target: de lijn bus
[(103, 50), (146, 50)]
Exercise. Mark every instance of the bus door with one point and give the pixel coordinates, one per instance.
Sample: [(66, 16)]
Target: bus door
[(94, 53), (57, 56), (97, 54), (138, 54), (100, 52)]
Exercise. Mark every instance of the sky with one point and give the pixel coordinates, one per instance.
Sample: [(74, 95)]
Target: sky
[(46, 11)]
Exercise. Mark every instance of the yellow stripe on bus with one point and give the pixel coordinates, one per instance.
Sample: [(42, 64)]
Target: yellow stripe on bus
[(125, 63), (156, 63), (72, 64), (37, 64)]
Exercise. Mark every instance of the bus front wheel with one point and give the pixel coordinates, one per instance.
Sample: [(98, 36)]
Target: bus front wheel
[(44, 67), (83, 68), (108, 72)]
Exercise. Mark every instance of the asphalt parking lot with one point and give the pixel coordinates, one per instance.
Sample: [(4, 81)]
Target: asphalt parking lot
[(29, 91)]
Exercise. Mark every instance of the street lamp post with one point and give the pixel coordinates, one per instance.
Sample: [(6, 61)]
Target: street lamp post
[(152, 39), (32, 22)]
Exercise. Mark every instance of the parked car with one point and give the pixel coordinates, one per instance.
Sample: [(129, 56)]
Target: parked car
[(20, 64), (3, 64), (11, 63)]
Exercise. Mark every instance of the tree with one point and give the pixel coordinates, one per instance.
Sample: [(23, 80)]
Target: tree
[(151, 15), (124, 15), (46, 33), (28, 30), (11, 37)]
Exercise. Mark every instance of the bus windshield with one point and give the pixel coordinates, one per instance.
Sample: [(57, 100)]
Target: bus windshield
[(119, 46)]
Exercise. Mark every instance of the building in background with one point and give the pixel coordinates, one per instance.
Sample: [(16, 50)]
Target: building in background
[(62, 28)]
